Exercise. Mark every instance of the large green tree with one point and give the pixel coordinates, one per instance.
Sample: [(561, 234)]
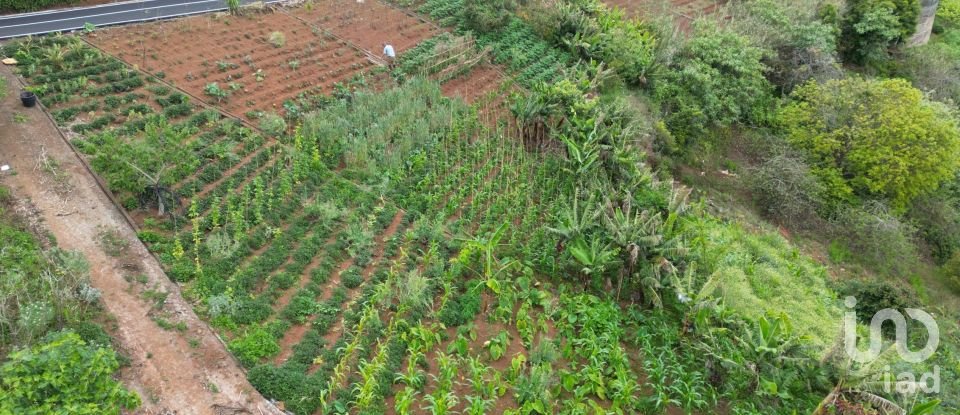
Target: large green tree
[(873, 138), (63, 375)]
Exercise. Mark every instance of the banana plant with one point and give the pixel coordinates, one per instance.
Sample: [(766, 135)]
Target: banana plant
[(595, 256), (493, 266)]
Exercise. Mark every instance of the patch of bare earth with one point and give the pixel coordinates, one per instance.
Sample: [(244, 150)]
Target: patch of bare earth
[(183, 370)]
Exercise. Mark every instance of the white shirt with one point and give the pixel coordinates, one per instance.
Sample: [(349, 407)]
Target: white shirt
[(388, 50)]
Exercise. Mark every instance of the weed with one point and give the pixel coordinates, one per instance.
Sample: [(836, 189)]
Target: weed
[(112, 242), (277, 39)]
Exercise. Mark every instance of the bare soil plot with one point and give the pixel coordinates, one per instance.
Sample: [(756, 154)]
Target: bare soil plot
[(257, 61), (367, 24)]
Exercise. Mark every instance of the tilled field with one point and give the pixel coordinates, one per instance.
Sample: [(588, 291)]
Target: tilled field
[(247, 64)]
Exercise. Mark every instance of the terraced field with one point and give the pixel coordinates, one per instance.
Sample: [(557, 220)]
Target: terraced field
[(264, 62)]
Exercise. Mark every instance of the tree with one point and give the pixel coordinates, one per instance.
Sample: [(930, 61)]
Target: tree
[(717, 80), (871, 27), (873, 138), (63, 375)]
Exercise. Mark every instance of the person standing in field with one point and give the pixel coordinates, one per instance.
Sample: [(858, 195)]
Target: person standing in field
[(390, 54)]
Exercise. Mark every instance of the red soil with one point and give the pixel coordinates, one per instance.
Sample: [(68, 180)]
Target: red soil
[(474, 85), (237, 54), (367, 24)]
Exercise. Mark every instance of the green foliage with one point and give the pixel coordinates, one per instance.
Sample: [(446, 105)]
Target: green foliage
[(950, 272), (878, 239), (937, 219), (592, 31), (871, 27), (716, 80), (277, 39), (30, 5), (254, 345), (39, 291), (273, 125), (875, 295), (63, 375), (878, 139), (802, 41), (233, 6), (486, 15), (933, 67), (214, 90), (760, 273), (949, 11)]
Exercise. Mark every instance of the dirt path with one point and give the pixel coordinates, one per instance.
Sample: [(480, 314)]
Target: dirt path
[(177, 371)]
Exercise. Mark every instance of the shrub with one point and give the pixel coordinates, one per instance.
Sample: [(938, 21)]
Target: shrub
[(717, 80), (214, 90), (874, 295), (253, 346), (63, 373), (273, 125), (874, 138), (785, 190), (950, 272), (487, 15), (879, 239), (351, 278), (594, 32)]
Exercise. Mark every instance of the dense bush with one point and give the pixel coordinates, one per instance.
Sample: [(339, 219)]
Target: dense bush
[(870, 27), (950, 272), (63, 375), (29, 5), (803, 41), (716, 80), (592, 31), (875, 295), (273, 125), (487, 15), (875, 139)]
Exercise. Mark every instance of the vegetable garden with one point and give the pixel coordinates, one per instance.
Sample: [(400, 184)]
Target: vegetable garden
[(393, 250)]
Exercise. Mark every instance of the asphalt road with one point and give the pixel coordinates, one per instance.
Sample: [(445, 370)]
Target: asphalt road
[(66, 20)]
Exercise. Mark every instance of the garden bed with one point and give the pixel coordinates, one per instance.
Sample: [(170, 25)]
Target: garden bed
[(246, 65)]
